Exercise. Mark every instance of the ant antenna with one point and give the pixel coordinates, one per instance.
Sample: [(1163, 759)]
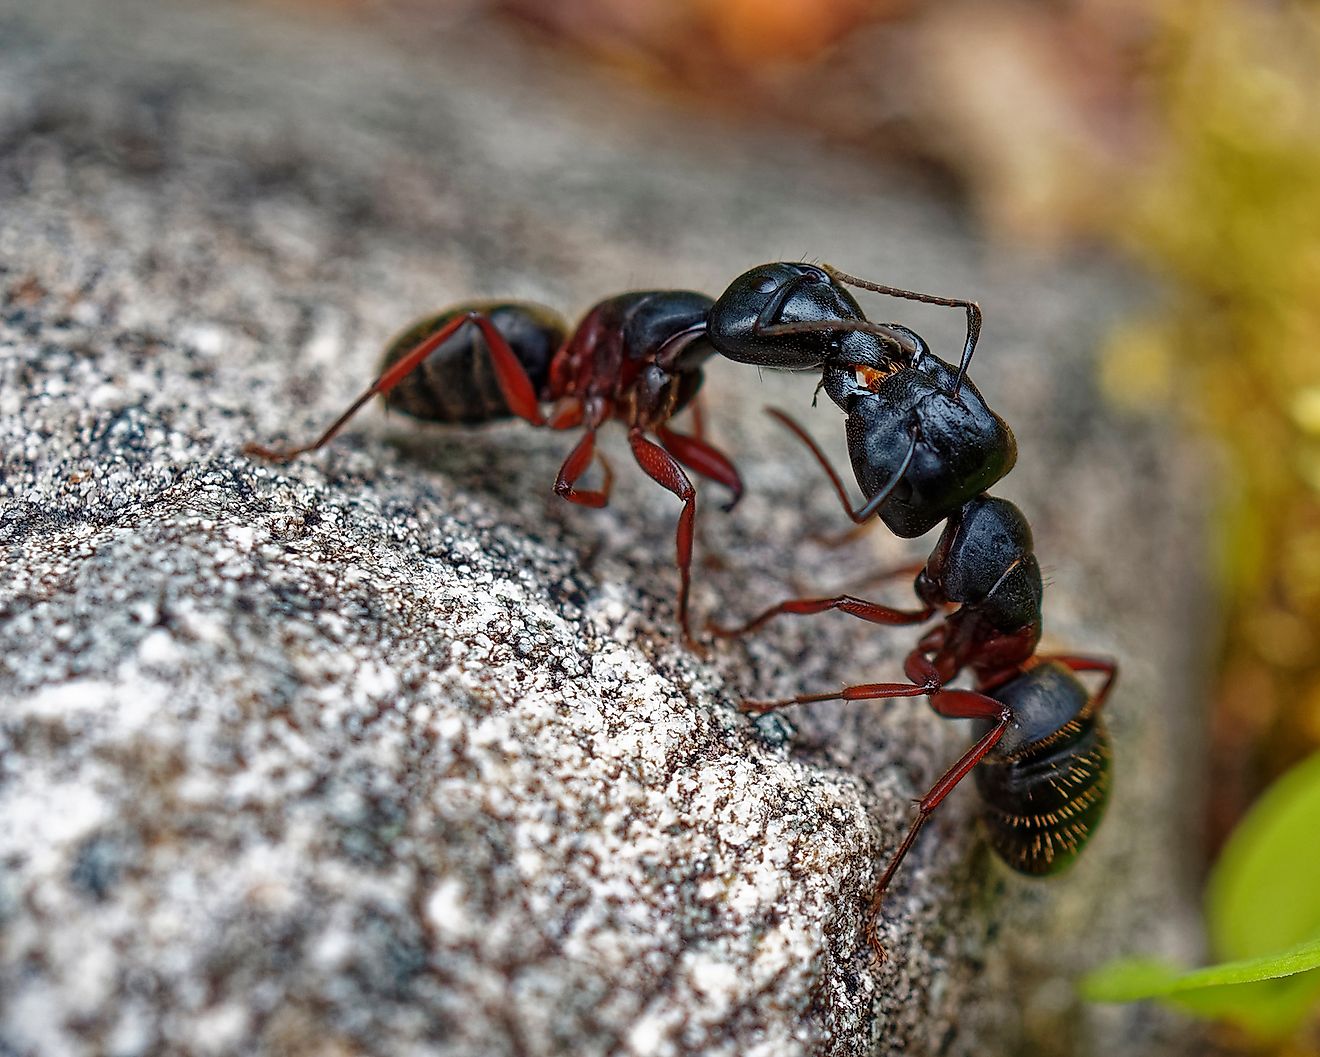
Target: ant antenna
[(972, 308)]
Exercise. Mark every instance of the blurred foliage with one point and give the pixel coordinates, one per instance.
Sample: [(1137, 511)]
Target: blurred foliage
[(1031, 110), (1231, 214), (1263, 917), (705, 41)]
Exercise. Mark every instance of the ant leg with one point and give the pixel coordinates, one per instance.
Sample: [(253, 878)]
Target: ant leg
[(861, 692), (925, 681), (575, 466), (700, 457), (567, 414), (894, 338), (842, 539), (514, 382), (867, 509), (661, 467), (511, 375), (1091, 664), (951, 704), (857, 607), (869, 579), (972, 308), (786, 420), (698, 408), (894, 572)]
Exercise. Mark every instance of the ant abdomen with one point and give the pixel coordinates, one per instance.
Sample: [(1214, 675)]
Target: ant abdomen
[(1045, 784), (457, 383)]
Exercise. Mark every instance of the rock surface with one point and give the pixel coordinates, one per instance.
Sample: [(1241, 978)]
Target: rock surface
[(386, 752)]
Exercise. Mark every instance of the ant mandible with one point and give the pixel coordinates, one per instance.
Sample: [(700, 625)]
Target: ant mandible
[(636, 357), (923, 455)]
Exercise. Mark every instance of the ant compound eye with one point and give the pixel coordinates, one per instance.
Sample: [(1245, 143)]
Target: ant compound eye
[(768, 285)]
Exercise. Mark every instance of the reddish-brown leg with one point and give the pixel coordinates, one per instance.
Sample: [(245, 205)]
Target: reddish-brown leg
[(519, 393), (698, 408), (924, 681), (567, 414), (952, 704), (842, 539), (895, 339), (869, 579), (575, 466), (661, 468), (700, 457), (892, 572), (857, 607), (786, 420), (863, 513), (861, 692), (1106, 665)]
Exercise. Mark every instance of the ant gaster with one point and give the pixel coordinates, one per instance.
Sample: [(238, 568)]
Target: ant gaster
[(636, 357)]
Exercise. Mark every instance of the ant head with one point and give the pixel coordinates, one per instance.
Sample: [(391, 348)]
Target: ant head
[(905, 422), (779, 315)]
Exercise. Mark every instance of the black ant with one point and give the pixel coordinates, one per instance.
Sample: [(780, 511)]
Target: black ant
[(636, 357), (923, 452)]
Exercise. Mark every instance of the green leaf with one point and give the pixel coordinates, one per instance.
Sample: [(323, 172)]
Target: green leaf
[(1263, 905), (1269, 995), (1264, 892), (1138, 978)]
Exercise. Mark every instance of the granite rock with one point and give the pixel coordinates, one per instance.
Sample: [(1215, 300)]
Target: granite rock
[(389, 752)]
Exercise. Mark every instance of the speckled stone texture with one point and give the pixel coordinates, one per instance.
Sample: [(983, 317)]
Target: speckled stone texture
[(388, 751)]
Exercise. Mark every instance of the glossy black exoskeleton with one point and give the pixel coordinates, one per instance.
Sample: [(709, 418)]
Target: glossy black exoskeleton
[(796, 317), (918, 451), (984, 565), (1044, 752), (635, 357), (458, 383), (800, 317), (923, 451), (1045, 783)]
